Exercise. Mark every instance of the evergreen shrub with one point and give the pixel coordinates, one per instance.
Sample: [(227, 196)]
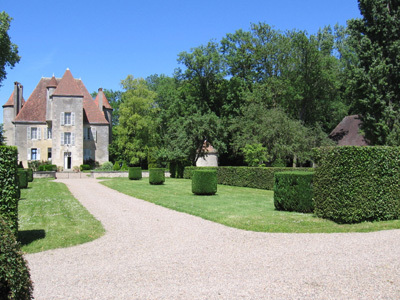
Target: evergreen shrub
[(116, 166), (135, 173), (84, 167), (124, 167), (156, 176), (15, 282), (253, 177), (22, 178), (50, 168), (172, 169), (204, 182), (355, 184), (30, 174), (9, 188), (293, 191), (107, 166)]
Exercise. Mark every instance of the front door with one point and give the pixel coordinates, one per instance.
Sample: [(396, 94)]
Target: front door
[(67, 161)]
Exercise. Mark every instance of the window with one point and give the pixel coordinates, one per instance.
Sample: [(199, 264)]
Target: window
[(67, 138), (87, 153), (67, 118), (48, 153), (49, 133), (33, 154), (34, 133)]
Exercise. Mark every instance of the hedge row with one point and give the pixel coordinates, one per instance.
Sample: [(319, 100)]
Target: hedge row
[(135, 173), (156, 176), (293, 191), (9, 191), (47, 168), (356, 184), (253, 177)]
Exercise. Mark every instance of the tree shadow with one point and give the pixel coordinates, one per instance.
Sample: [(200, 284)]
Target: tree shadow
[(25, 237)]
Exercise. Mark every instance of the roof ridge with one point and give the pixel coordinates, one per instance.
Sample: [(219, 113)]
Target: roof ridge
[(68, 86)]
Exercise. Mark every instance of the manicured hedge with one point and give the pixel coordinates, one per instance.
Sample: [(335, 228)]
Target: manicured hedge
[(9, 191), (84, 167), (156, 176), (30, 175), (22, 178), (293, 191), (47, 168), (135, 173), (355, 184), (204, 182), (15, 282), (254, 177)]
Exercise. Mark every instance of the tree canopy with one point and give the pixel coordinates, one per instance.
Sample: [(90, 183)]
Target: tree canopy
[(8, 51)]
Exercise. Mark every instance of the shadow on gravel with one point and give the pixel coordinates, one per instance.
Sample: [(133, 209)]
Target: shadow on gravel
[(25, 237)]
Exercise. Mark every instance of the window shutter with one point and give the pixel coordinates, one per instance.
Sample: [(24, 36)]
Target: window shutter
[(73, 138), (94, 134), (38, 154), (62, 119), (72, 118), (62, 138), (28, 133), (39, 133), (29, 153)]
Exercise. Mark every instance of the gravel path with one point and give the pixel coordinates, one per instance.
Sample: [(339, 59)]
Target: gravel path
[(150, 252)]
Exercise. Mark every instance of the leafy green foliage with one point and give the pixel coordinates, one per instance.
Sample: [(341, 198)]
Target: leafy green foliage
[(9, 191), (255, 155), (30, 175), (356, 184), (2, 138), (204, 182), (254, 177), (375, 81), (84, 167), (15, 282), (293, 191), (9, 51), (116, 166), (124, 166), (22, 178), (135, 173), (107, 166), (156, 176), (136, 132)]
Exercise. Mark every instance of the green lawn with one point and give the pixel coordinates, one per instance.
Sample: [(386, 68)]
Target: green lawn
[(50, 217), (244, 208)]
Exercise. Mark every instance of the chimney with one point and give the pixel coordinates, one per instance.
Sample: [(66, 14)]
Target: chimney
[(100, 94), (18, 89)]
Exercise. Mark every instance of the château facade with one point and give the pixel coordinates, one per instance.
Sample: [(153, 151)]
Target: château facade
[(60, 122)]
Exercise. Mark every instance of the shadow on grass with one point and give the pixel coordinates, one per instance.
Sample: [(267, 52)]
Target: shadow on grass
[(25, 237)]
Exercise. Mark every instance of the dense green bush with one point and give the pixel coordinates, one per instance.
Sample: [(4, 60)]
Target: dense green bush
[(124, 166), (204, 182), (293, 191), (156, 176), (107, 166), (15, 282), (116, 166), (254, 177), (172, 169), (9, 189), (356, 184), (30, 175), (50, 168), (135, 173), (22, 178), (84, 167)]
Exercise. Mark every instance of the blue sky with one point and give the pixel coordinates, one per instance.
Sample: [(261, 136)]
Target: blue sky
[(104, 41)]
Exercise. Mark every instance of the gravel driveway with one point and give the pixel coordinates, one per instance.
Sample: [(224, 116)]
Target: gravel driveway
[(150, 252)]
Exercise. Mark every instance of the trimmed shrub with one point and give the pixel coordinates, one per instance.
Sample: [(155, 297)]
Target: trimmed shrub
[(156, 176), (50, 168), (30, 174), (253, 177), (9, 191), (107, 166), (22, 178), (355, 184), (116, 166), (204, 182), (42, 168), (124, 167), (180, 169), (135, 173), (15, 282), (293, 191), (84, 167)]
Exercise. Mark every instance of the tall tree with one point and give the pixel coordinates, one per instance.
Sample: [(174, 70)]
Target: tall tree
[(136, 132), (8, 51), (375, 80), (2, 139)]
